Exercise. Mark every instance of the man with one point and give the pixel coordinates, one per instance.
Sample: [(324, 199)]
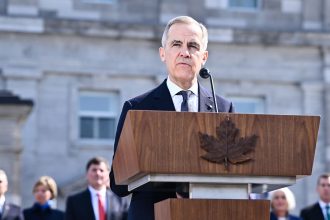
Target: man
[(321, 209), (8, 211), (96, 202), (183, 51)]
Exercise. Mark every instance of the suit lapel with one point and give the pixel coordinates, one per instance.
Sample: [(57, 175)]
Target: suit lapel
[(162, 99), (89, 207), (5, 210), (108, 209), (205, 100), (318, 212)]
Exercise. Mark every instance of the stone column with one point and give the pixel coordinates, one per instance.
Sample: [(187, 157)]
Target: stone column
[(313, 96), (13, 113), (326, 119)]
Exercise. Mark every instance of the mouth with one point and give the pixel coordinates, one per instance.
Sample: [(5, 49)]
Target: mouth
[(184, 64)]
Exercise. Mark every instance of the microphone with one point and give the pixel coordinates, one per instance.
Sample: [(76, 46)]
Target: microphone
[(205, 73)]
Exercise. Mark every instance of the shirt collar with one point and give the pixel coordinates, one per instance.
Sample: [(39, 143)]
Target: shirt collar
[(2, 202), (174, 88), (94, 192), (323, 204)]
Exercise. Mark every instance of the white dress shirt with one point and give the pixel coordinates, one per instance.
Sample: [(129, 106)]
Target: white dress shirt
[(95, 203), (177, 99), (2, 202)]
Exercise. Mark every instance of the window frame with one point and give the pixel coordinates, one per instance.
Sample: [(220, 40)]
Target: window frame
[(242, 8), (112, 114)]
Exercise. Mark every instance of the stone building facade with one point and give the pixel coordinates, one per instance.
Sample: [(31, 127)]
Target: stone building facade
[(269, 56)]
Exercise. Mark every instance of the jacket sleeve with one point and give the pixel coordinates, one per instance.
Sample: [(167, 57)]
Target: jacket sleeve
[(120, 190)]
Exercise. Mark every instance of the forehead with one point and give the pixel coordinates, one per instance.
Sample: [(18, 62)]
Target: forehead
[(324, 180), (3, 177), (185, 32), (279, 193), (101, 166)]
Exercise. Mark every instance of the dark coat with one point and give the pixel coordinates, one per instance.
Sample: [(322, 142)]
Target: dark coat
[(11, 212), (289, 217), (142, 203), (313, 212), (36, 213), (79, 207)]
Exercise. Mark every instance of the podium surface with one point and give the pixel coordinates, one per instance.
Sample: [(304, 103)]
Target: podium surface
[(161, 146)]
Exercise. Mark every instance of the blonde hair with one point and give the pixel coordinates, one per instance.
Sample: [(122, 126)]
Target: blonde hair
[(288, 196), (47, 182), (185, 20)]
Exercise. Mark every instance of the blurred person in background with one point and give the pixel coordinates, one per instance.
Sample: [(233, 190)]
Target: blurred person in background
[(321, 209), (96, 202), (8, 211), (282, 201), (44, 191)]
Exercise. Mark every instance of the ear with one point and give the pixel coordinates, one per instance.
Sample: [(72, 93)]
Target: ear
[(162, 54), (205, 56)]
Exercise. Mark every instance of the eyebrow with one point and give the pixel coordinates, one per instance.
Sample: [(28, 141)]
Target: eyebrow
[(176, 42), (194, 44)]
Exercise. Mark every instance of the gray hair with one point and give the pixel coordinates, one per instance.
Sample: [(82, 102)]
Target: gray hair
[(185, 20), (288, 196), (3, 173)]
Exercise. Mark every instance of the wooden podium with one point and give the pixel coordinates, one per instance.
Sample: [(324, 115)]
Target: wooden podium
[(223, 157)]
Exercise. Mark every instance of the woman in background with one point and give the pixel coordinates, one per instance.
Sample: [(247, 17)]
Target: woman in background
[(281, 202), (44, 191)]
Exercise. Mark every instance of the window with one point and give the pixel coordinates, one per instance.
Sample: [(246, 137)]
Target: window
[(249, 104), (248, 4), (99, 1), (97, 115)]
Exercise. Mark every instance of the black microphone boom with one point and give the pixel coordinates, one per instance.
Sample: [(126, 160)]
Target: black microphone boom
[(205, 73)]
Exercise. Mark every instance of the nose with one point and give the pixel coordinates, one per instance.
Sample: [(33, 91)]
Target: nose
[(184, 52)]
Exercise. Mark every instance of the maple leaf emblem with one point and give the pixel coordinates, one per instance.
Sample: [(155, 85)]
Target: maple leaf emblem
[(227, 147)]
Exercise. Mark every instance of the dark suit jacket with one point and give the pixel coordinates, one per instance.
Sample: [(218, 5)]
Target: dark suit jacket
[(313, 212), (11, 212), (289, 217), (79, 207), (142, 203), (36, 213)]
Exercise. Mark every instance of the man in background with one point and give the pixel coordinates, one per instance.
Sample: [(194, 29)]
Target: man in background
[(321, 209), (8, 211), (96, 202)]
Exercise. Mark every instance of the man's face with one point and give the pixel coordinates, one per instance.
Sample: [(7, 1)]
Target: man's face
[(98, 176), (183, 53), (3, 184), (323, 188)]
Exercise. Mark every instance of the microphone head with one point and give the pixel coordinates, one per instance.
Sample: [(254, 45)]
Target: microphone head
[(204, 73)]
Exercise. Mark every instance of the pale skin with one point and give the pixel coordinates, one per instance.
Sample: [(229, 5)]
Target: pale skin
[(98, 176), (42, 194), (183, 54), (323, 189), (3, 185), (280, 204)]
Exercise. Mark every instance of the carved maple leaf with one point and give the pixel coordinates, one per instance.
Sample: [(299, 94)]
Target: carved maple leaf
[(227, 146)]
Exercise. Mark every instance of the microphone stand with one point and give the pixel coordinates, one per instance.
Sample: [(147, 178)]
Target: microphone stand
[(213, 94)]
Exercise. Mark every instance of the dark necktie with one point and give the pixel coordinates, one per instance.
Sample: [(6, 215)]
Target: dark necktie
[(184, 104), (327, 207)]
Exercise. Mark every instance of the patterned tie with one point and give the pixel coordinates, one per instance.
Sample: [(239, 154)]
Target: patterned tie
[(184, 104), (101, 208)]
